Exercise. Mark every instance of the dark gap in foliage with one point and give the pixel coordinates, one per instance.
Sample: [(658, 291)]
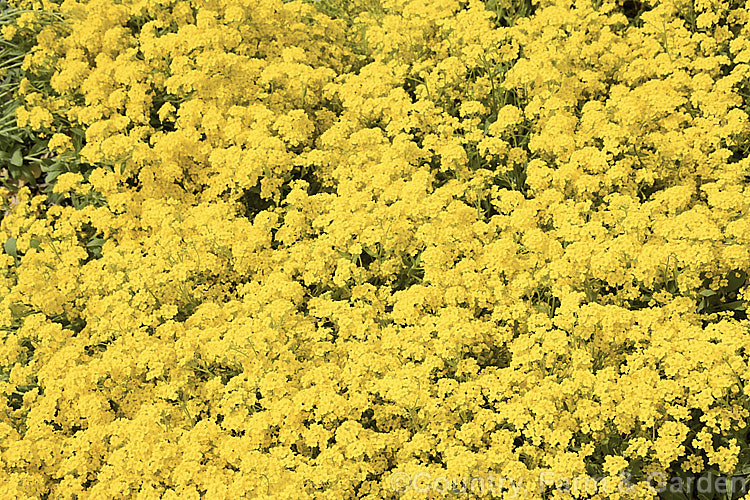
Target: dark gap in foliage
[(93, 349), (253, 203), (507, 13), (543, 300), (75, 324), (410, 274), (633, 10)]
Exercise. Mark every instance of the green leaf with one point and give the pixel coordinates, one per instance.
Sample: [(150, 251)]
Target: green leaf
[(737, 305), (370, 252), (51, 176), (17, 158), (34, 243), (28, 175), (95, 242), (37, 147), (672, 495), (707, 293), (10, 247), (35, 170), (735, 280)]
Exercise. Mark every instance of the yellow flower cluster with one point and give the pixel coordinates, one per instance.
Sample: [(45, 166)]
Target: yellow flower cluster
[(314, 245)]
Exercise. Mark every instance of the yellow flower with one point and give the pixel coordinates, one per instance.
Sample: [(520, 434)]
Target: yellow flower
[(9, 31), (67, 182), (60, 143)]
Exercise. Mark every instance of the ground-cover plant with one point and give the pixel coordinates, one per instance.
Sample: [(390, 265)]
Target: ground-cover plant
[(33, 151), (374, 249), (19, 152)]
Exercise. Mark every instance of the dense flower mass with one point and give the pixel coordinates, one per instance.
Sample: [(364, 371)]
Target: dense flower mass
[(297, 249)]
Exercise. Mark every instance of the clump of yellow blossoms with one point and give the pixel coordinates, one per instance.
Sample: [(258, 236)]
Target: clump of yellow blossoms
[(314, 245)]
